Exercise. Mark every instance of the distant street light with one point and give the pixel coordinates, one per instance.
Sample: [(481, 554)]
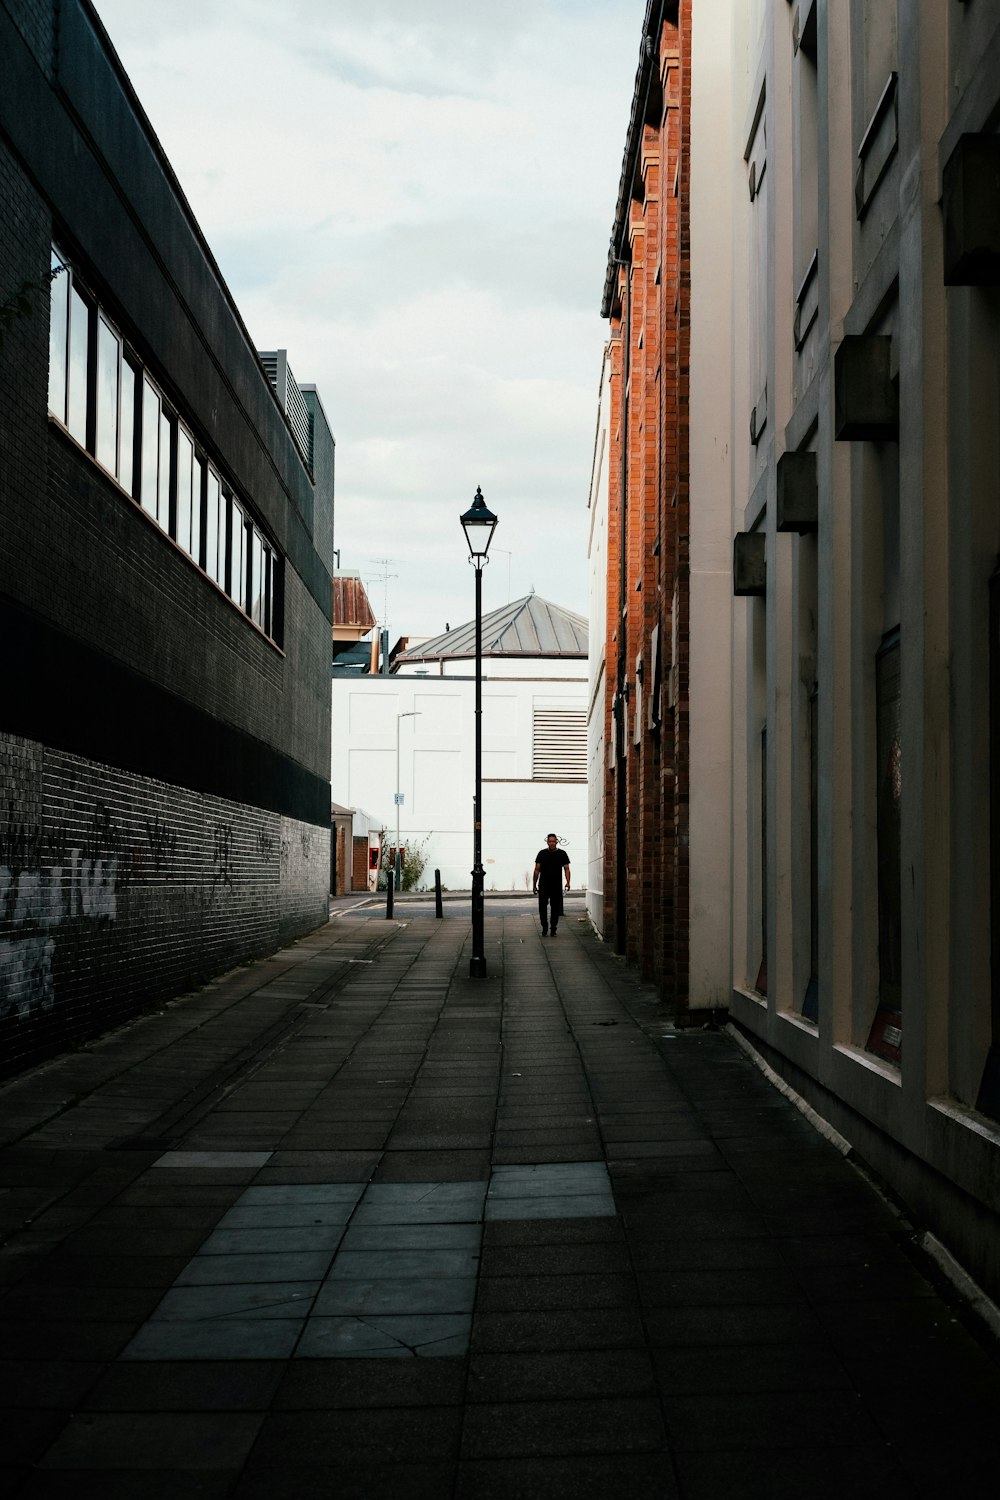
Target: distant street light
[(412, 713), (479, 524)]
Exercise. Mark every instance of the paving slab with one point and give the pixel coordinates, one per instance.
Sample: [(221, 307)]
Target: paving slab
[(385, 1335), (258, 1338), (195, 1385), (194, 1440), (126, 1484), (639, 1476), (463, 1240)]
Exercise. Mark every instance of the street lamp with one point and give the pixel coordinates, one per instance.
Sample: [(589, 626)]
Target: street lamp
[(412, 713), (479, 524)]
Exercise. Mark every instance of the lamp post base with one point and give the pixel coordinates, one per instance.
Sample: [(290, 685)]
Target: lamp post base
[(477, 963)]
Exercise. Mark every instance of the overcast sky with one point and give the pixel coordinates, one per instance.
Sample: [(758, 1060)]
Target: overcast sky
[(415, 199)]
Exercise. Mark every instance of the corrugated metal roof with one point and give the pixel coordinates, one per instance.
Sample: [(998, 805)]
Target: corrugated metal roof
[(350, 602), (528, 627)]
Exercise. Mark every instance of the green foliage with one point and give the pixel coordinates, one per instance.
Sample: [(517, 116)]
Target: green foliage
[(19, 304), (414, 864)]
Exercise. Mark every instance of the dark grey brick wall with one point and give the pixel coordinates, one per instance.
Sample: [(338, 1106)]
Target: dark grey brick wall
[(35, 20), (118, 891), (164, 770), (25, 241)]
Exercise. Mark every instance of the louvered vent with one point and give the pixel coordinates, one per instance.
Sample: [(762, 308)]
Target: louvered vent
[(298, 415), (290, 399), (559, 744)]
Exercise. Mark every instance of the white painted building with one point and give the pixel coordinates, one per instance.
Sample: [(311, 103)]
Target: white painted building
[(597, 562), (534, 745), (865, 192)]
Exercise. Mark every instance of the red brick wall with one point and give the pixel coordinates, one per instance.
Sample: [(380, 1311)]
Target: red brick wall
[(359, 879), (648, 528)]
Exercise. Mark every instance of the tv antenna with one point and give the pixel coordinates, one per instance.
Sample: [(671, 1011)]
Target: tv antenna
[(384, 578)]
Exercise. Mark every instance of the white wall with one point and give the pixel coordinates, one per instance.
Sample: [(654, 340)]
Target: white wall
[(597, 562), (710, 681), (501, 666), (436, 769)]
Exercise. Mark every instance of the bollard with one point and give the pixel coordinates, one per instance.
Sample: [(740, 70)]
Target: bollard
[(388, 896), (438, 905)]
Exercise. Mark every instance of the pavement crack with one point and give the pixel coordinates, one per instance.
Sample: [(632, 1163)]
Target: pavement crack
[(384, 1333), (258, 1307)]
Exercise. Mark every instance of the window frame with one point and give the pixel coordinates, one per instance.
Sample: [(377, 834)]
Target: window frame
[(146, 453)]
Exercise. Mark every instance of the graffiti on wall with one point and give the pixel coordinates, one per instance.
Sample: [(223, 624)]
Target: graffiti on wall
[(162, 842), (68, 893), (223, 858), (44, 884)]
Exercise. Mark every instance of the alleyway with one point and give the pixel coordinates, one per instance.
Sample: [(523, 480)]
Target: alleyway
[(348, 1223)]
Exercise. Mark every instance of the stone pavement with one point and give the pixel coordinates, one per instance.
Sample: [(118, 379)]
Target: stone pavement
[(348, 1223)]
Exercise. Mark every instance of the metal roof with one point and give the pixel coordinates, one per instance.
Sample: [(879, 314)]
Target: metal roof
[(528, 627)]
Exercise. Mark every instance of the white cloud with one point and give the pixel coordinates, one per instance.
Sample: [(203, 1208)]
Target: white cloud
[(415, 199)]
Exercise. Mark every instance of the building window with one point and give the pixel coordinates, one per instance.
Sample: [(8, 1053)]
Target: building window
[(255, 604), (559, 744), (988, 1100), (127, 428), (58, 332), (261, 582), (109, 357), (215, 529), (806, 175), (150, 448), (759, 275), (810, 1002), (237, 585), (78, 366), (886, 1035), (187, 523), (114, 408), (760, 983)]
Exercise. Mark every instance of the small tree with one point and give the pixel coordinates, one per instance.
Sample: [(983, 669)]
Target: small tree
[(412, 868)]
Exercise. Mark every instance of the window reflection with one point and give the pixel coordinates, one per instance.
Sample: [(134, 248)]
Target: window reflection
[(99, 390), (150, 447), (215, 532), (185, 465), (79, 349), (237, 555), (257, 580), (126, 429), (163, 488), (58, 328), (108, 361), (197, 489)]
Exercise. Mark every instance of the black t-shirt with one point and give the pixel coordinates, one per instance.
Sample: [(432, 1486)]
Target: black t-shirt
[(551, 863)]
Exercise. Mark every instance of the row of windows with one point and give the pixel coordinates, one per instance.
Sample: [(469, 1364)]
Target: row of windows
[(108, 402)]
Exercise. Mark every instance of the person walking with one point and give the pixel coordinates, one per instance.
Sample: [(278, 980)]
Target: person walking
[(551, 867)]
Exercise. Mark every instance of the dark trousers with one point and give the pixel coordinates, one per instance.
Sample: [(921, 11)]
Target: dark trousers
[(547, 899)]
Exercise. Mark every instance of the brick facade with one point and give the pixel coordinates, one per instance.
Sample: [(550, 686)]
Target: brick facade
[(359, 871), (118, 891), (165, 808), (647, 302)]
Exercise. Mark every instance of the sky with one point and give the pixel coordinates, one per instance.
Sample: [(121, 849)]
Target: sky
[(414, 198)]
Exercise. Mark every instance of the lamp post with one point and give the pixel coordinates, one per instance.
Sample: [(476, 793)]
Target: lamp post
[(479, 524), (410, 714)]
